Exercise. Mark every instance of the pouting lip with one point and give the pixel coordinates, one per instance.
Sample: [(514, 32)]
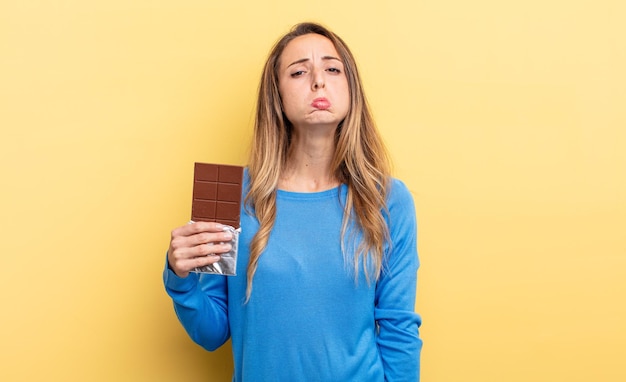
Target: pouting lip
[(320, 99), (320, 103)]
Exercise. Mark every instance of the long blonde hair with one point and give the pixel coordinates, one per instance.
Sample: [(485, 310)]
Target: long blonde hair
[(360, 162)]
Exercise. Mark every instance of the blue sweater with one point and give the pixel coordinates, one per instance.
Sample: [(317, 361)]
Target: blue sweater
[(308, 318)]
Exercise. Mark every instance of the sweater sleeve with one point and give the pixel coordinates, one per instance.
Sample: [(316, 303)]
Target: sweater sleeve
[(398, 324), (200, 302)]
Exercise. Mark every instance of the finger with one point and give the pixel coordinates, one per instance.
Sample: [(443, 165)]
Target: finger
[(181, 238), (198, 262), (210, 249), (183, 267), (181, 254), (210, 237), (197, 227), (186, 253)]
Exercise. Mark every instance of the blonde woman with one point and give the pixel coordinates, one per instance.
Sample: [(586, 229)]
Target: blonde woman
[(328, 240)]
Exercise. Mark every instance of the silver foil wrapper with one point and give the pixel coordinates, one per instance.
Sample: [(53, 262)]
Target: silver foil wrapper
[(227, 265)]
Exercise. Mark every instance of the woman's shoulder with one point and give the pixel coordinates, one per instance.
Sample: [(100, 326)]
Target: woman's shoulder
[(400, 203), (398, 191)]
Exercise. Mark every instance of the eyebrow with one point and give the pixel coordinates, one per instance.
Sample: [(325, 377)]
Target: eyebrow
[(308, 59)]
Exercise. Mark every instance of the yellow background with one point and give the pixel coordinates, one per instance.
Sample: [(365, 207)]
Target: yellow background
[(505, 118)]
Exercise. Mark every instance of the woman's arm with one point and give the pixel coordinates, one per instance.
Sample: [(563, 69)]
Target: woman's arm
[(200, 301), (398, 324)]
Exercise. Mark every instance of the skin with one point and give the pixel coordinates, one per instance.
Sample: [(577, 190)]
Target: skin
[(309, 70)]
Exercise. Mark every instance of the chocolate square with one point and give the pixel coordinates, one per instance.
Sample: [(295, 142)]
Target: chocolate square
[(217, 193)]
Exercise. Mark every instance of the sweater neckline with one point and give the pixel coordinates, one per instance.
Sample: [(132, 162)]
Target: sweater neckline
[(331, 192)]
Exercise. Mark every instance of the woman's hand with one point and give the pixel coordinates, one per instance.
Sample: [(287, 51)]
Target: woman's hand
[(196, 245)]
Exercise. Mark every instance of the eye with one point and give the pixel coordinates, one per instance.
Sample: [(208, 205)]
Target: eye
[(334, 70), (297, 74)]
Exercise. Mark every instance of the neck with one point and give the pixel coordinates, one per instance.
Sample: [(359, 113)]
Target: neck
[(308, 162)]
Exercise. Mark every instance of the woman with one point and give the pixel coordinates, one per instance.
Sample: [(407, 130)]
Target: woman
[(328, 238)]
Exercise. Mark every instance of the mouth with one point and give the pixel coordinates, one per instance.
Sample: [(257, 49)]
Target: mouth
[(321, 103)]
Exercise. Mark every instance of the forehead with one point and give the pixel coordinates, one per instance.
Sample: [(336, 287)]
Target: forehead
[(308, 46)]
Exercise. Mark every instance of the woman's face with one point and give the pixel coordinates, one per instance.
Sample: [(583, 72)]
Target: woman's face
[(312, 82)]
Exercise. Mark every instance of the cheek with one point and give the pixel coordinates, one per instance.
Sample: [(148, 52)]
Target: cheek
[(344, 96), (287, 99)]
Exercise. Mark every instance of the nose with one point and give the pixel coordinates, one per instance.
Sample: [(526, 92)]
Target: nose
[(318, 80)]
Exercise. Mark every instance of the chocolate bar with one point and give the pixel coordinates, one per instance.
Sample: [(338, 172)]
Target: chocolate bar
[(217, 193)]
